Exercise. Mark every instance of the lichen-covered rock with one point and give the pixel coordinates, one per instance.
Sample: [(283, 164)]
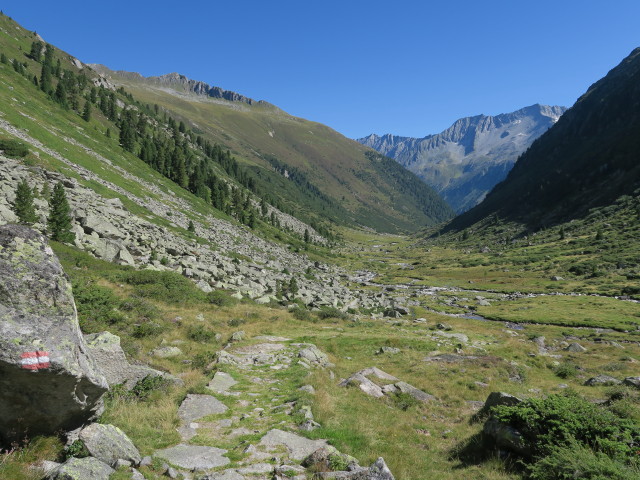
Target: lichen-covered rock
[(82, 469), (105, 348), (108, 444), (49, 381), (377, 471), (315, 356)]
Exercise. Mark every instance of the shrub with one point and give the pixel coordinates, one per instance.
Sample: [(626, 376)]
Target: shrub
[(13, 148), (169, 287), (303, 314), (200, 333), (576, 461), (566, 370), (77, 449), (331, 312), (220, 298), (404, 401), (560, 420), (147, 329), (236, 322)]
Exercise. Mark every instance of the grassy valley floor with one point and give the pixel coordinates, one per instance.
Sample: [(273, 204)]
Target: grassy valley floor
[(470, 336)]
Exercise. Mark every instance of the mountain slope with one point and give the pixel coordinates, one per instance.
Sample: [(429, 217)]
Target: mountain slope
[(311, 169), (465, 161), (587, 159)]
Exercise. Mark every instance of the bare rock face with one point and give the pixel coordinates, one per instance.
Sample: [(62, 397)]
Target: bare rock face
[(48, 380)]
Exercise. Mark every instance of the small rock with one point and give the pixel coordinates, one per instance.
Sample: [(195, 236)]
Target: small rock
[(82, 468), (602, 380), (308, 389), (632, 382), (575, 347), (388, 350)]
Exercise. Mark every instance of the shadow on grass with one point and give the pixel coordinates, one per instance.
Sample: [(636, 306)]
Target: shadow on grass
[(479, 449)]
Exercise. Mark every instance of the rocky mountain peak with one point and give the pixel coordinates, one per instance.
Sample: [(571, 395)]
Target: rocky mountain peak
[(467, 159)]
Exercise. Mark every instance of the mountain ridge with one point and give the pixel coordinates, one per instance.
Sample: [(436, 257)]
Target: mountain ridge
[(464, 161), (584, 161)]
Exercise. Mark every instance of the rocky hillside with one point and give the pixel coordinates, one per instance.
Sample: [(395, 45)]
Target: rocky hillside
[(311, 169), (587, 159), (464, 162)]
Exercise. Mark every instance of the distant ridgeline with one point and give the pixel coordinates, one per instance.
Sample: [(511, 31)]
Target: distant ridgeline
[(464, 162)]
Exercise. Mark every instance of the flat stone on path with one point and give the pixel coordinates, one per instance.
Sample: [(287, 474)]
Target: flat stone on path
[(260, 348), (271, 338), (221, 382), (226, 475), (197, 406), (297, 446), (194, 457)]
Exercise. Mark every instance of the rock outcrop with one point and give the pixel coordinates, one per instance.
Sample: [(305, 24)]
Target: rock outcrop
[(48, 379)]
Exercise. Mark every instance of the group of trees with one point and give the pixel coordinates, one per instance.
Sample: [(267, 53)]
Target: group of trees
[(167, 145), (59, 219)]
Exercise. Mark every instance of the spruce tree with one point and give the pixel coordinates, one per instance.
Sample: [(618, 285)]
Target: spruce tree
[(23, 206), (86, 112), (59, 221)]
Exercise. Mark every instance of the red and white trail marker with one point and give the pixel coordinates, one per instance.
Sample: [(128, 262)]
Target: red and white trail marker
[(35, 360)]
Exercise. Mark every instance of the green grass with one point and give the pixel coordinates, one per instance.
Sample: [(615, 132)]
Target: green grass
[(581, 311)]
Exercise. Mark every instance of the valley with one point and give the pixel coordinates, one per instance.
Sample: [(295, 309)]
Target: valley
[(229, 292)]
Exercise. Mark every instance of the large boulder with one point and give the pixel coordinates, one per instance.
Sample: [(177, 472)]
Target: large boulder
[(108, 444), (82, 469), (105, 348), (48, 379)]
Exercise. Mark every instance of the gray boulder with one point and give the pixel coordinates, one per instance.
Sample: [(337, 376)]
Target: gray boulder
[(500, 398), (599, 380), (315, 356), (109, 444), (49, 380), (82, 469), (575, 348), (105, 348), (377, 471), (632, 382), (507, 437), (416, 393)]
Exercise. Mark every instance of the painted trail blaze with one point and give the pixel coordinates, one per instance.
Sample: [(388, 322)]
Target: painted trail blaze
[(35, 360)]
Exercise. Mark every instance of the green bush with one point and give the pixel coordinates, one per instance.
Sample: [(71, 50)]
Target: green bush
[(169, 287), (331, 312), (303, 314), (562, 420), (220, 298), (575, 461), (13, 148), (200, 333), (147, 329), (97, 306), (566, 370), (77, 449)]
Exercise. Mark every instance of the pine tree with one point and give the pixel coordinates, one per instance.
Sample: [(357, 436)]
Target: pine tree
[(191, 227), (307, 236), (86, 112), (23, 206), (4, 59), (59, 221), (36, 50)]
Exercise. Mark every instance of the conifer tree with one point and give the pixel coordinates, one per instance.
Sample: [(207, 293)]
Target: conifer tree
[(86, 112), (23, 206), (191, 227), (59, 221), (4, 59)]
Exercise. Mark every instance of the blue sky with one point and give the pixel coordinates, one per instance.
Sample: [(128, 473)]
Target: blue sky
[(404, 67)]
